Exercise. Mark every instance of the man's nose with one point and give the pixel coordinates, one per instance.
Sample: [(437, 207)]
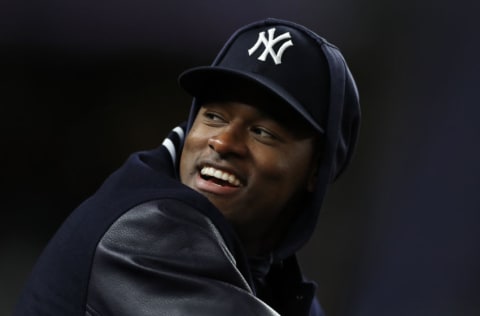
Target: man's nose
[(229, 141)]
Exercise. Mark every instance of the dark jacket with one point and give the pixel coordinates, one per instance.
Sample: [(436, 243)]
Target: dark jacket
[(145, 244)]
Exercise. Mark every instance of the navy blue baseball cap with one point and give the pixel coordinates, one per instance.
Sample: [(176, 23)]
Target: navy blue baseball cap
[(279, 56), (294, 64)]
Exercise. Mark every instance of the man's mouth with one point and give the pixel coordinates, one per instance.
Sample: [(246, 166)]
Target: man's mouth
[(219, 177)]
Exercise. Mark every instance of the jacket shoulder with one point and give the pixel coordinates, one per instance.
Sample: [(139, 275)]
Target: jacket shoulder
[(164, 255)]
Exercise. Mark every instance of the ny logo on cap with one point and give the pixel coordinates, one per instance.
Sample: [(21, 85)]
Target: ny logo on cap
[(269, 43)]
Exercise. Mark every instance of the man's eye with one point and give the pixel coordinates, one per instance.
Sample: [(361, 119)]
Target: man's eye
[(213, 117), (263, 133)]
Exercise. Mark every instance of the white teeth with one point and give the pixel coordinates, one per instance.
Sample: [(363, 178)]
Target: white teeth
[(221, 175), (217, 174)]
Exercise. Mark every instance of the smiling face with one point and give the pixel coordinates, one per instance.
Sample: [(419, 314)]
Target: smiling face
[(254, 168)]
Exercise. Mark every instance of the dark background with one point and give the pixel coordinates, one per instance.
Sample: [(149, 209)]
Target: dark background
[(85, 83)]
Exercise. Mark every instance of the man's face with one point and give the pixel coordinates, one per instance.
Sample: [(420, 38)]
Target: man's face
[(252, 167)]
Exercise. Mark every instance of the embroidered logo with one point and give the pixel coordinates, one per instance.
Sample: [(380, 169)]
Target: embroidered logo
[(270, 43)]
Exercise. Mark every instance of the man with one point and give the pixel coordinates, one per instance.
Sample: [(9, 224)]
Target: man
[(208, 224)]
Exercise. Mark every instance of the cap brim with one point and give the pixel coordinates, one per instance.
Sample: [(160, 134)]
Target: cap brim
[(196, 81)]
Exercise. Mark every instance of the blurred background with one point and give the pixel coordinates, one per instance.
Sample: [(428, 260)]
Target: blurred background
[(85, 83)]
